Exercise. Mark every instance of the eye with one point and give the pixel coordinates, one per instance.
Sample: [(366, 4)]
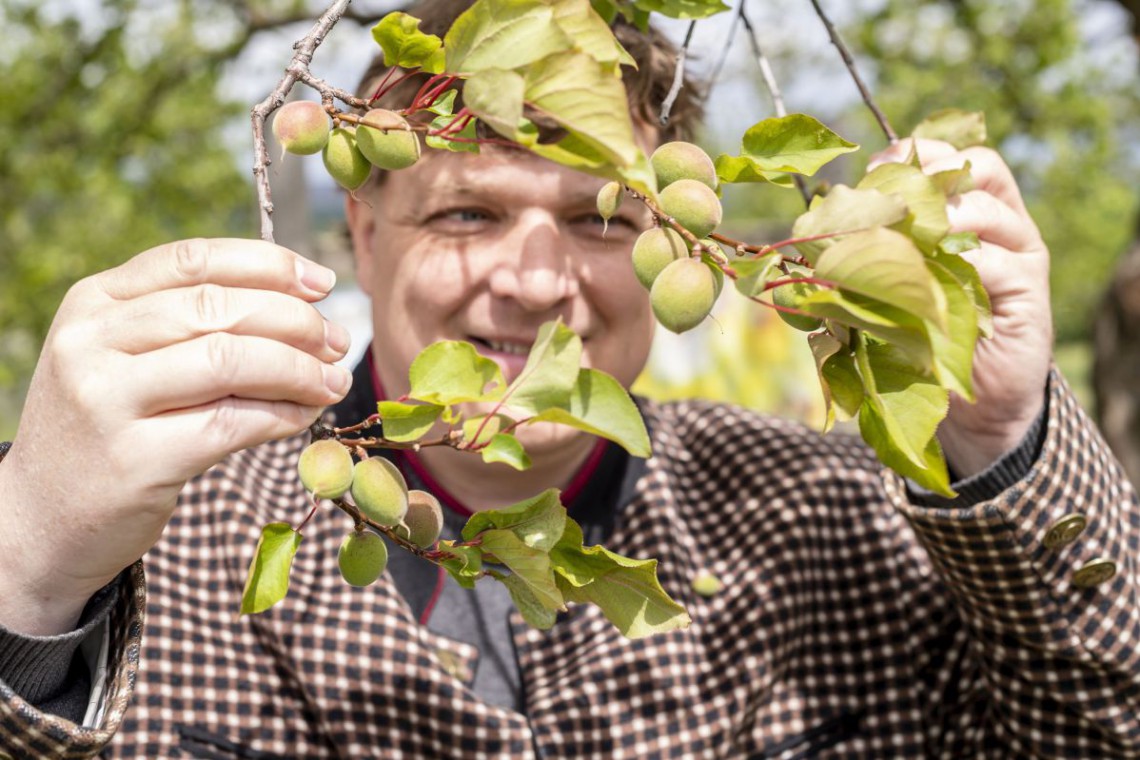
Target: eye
[(464, 215), (619, 225)]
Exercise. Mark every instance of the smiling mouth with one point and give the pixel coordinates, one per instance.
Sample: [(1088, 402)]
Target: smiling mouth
[(504, 347)]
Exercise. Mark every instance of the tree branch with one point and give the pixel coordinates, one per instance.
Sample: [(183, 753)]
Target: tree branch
[(678, 77)]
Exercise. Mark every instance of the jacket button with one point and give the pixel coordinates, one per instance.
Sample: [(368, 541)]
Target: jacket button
[(1065, 531), (1094, 573)]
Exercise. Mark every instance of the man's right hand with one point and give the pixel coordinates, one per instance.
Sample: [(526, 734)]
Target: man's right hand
[(152, 372)]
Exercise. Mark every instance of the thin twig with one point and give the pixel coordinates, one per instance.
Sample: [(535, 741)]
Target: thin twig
[(297, 69), (849, 61), (773, 86), (678, 77), (728, 43)]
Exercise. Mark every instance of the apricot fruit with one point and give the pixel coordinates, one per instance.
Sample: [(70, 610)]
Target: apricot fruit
[(424, 521), (654, 250), (380, 491), (344, 161), (683, 294), (389, 144), (362, 558), (326, 469), (302, 127), (693, 204), (682, 160)]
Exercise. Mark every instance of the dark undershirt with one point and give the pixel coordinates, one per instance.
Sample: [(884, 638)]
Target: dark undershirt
[(50, 674)]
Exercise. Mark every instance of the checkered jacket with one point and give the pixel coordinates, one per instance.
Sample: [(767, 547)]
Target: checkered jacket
[(852, 623)]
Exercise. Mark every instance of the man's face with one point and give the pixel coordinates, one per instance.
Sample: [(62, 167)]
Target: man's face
[(486, 248)]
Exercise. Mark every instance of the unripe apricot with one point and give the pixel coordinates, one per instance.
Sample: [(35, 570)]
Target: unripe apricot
[(682, 160), (362, 557), (344, 161), (609, 199), (693, 205), (683, 294), (379, 490), (302, 127), (789, 296), (326, 469), (424, 520), (654, 250), (392, 146)]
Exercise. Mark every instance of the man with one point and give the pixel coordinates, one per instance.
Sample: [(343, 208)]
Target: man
[(858, 618)]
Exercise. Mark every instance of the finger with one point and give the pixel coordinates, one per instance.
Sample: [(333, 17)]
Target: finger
[(206, 369), (902, 152), (166, 317), (989, 172), (993, 221), (226, 261), (222, 427)]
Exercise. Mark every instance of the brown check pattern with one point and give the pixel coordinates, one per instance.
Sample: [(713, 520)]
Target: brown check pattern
[(852, 623)]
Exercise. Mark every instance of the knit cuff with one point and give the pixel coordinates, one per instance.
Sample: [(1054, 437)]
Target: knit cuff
[(37, 667)]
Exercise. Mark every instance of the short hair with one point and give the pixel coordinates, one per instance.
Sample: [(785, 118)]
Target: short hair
[(646, 86)]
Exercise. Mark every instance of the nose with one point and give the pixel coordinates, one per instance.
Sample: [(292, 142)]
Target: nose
[(535, 267)]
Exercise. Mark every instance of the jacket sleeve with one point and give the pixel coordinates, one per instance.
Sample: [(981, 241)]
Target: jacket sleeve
[(1044, 577), (26, 732)]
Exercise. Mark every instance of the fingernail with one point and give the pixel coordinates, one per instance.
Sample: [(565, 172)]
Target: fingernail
[(337, 379), (314, 276), (337, 338)]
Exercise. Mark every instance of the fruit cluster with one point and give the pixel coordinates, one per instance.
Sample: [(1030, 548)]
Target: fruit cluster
[(381, 138), (379, 491), (683, 279)]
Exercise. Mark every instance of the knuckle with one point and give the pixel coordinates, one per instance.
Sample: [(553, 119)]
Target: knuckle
[(223, 357), (210, 305), (225, 425), (190, 259)]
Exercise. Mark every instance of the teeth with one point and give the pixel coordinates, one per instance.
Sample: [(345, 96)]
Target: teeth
[(509, 348)]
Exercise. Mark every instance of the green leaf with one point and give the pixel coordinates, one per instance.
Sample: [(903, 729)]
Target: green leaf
[(970, 279), (626, 590), (926, 203), (585, 97), (844, 209), (876, 318), (399, 35), (840, 382), (795, 143), (537, 521), (739, 169), (530, 565), (682, 9), (591, 33), (954, 181), (885, 265), (268, 580), (444, 105), (505, 448), (575, 153), (476, 427), (900, 415), (445, 143), (496, 97), (466, 567), (962, 129), (451, 372), (550, 372), (527, 602), (600, 405), (959, 242), (954, 349), (407, 422), (753, 274), (503, 34)]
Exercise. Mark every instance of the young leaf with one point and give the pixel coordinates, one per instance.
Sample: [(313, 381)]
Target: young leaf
[(537, 521), (844, 209), (550, 371), (444, 105), (576, 153), (626, 590), (962, 129), (954, 349), (407, 422), (682, 9), (840, 382), (954, 181), (739, 169), (493, 34), (505, 448), (466, 567), (484, 427), (399, 36), (959, 242), (451, 372), (885, 265), (926, 203), (533, 612), (530, 565), (753, 274), (581, 95), (968, 276), (795, 143), (268, 580), (591, 33), (445, 143), (496, 97), (900, 414), (885, 322), (600, 405)]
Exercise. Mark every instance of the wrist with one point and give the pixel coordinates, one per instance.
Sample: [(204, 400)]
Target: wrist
[(970, 450)]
